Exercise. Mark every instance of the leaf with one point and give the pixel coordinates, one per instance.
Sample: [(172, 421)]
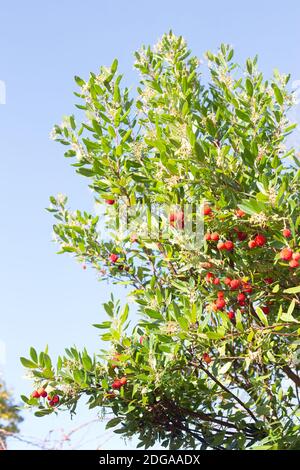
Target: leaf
[(262, 316), (277, 93), (42, 413), (87, 363), (33, 355), (249, 86), (292, 290), (27, 363), (113, 422)]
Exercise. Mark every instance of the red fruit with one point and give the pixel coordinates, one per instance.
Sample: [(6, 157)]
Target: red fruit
[(252, 244), (207, 236), (227, 281), (123, 381), (235, 284), (221, 246), (286, 233), (296, 256), (229, 245), (216, 281), (42, 392), (177, 219), (110, 202), (240, 213), (286, 254), (35, 394), (220, 294), (241, 236), (231, 315), (241, 297), (268, 280), (209, 277), (116, 384), (55, 399), (260, 240), (207, 210), (215, 236), (220, 303), (247, 287), (294, 263), (114, 258), (206, 358), (266, 310)]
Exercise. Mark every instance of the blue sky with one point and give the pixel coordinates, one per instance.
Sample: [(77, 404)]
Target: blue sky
[(47, 298)]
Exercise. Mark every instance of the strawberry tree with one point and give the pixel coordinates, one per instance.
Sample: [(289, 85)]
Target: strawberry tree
[(207, 354)]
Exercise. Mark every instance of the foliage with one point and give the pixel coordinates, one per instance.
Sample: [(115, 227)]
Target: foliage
[(196, 372), (9, 415)]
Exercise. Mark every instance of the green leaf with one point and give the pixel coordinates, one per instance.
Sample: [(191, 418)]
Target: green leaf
[(27, 363), (292, 290), (278, 94), (33, 355), (263, 318), (113, 422), (87, 363)]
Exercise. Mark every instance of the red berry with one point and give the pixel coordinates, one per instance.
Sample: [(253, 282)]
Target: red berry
[(114, 258), (35, 394), (207, 236), (235, 284), (220, 303), (221, 246), (227, 281), (123, 381), (296, 256), (241, 297), (240, 213), (116, 384), (216, 281), (266, 310), (286, 254), (229, 245), (294, 263), (231, 315), (207, 210), (42, 392), (260, 240), (215, 236), (209, 277), (241, 236), (286, 233), (55, 399), (252, 244), (220, 294), (110, 202), (206, 358), (177, 219), (268, 280), (247, 287)]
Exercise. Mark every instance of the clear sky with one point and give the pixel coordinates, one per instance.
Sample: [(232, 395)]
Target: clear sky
[(47, 298)]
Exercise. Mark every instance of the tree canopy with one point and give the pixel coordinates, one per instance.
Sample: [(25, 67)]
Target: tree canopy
[(211, 359)]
